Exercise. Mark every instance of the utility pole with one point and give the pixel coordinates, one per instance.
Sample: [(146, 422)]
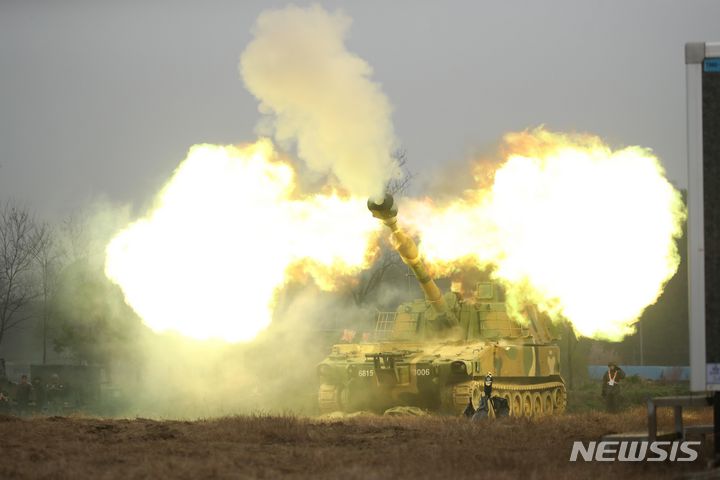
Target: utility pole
[(640, 334)]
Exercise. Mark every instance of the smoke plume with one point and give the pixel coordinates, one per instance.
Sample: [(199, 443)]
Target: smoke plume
[(320, 96)]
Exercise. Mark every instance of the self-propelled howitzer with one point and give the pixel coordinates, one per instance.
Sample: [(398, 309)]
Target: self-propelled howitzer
[(434, 353)]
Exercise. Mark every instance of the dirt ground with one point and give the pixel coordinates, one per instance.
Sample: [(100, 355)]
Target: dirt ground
[(300, 447)]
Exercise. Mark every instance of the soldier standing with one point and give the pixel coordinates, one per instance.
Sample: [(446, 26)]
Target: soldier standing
[(4, 404), (55, 394), (5, 389), (23, 395), (39, 389), (611, 386)]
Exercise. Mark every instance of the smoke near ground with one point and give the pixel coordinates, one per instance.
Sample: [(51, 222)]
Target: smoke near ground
[(169, 375), (319, 95), (180, 377)]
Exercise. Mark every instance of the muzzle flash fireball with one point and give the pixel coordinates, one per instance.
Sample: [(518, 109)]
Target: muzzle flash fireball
[(199, 264), (564, 218)]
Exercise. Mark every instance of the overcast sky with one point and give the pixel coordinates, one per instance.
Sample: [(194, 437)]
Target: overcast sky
[(103, 99)]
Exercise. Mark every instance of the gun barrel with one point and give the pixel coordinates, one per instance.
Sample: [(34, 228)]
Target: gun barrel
[(408, 250)]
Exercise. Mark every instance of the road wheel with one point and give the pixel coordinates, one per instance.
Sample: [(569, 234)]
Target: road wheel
[(475, 393), (548, 403), (527, 405), (516, 404), (446, 400), (330, 398), (560, 400), (537, 404)]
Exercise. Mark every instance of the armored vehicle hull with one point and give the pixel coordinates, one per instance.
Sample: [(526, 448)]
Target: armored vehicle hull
[(442, 375)]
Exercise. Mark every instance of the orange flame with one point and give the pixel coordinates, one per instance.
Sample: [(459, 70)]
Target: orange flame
[(585, 232), (226, 233)]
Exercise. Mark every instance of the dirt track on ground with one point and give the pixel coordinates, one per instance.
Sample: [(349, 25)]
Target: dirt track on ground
[(297, 447)]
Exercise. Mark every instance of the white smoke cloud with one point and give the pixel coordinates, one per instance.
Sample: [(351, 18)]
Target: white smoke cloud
[(320, 96)]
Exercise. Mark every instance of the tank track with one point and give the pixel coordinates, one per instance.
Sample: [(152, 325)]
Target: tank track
[(533, 400), (454, 398), (536, 400), (329, 399)]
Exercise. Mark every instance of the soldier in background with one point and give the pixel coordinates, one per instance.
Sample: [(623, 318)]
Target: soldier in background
[(611, 387), (23, 395), (4, 403), (39, 390), (6, 386), (55, 393)]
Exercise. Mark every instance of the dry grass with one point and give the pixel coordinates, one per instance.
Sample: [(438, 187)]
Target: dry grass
[(300, 447)]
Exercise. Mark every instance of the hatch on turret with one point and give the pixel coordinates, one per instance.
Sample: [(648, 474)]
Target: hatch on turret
[(489, 292), (403, 324), (484, 291)]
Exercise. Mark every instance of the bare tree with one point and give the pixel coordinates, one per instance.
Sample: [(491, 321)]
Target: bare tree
[(20, 238), (400, 185), (388, 258), (49, 263), (74, 239), (88, 317), (370, 280)]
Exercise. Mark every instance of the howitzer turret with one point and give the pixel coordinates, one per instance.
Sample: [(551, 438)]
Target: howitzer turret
[(439, 352), (407, 249)]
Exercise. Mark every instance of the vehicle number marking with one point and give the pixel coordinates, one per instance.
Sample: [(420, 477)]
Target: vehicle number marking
[(366, 373), (422, 372)]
